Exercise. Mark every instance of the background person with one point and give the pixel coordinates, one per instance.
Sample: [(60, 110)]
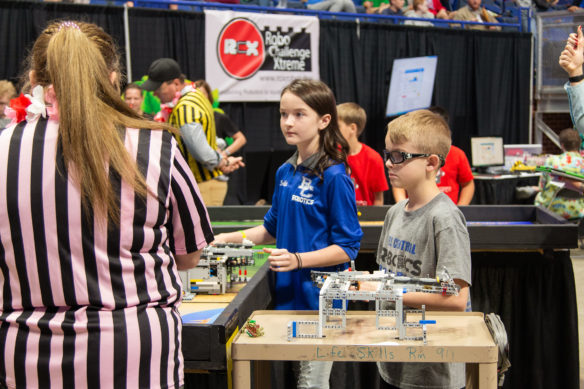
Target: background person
[(331, 5), (437, 9), (233, 140), (395, 8), (571, 60), (193, 115), (473, 12), (375, 6), (566, 201), (133, 97), (419, 10), (367, 171), (576, 6), (96, 218), (224, 126), (7, 92)]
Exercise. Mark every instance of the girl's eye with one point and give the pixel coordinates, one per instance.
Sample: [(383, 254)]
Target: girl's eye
[(300, 114), (283, 114)]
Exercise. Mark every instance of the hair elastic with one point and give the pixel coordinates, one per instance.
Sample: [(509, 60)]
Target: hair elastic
[(68, 24), (298, 260)]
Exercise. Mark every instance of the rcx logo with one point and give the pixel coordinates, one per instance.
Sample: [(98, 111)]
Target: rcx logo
[(240, 48)]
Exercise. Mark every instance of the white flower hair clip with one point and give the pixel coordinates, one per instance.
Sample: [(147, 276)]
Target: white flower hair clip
[(37, 105), (68, 24)]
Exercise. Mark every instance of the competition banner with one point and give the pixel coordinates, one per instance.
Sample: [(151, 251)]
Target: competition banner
[(252, 56)]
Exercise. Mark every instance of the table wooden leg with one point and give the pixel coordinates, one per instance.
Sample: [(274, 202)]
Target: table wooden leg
[(241, 375), (262, 374), (488, 375), (472, 376)]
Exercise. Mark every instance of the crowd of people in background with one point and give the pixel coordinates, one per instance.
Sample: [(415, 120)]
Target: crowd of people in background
[(472, 10), (490, 11), (369, 6)]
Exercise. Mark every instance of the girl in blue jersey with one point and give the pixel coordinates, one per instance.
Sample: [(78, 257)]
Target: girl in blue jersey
[(313, 218)]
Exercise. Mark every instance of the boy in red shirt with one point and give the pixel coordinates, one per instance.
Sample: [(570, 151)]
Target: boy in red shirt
[(367, 171)]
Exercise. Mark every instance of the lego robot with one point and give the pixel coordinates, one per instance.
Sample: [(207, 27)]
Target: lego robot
[(338, 288), (219, 267)]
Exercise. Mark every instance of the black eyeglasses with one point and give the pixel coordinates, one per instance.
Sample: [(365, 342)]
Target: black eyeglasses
[(396, 157)]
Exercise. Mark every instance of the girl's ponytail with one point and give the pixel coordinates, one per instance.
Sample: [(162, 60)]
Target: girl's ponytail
[(79, 59)]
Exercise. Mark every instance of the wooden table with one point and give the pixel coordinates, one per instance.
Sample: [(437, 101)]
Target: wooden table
[(456, 337)]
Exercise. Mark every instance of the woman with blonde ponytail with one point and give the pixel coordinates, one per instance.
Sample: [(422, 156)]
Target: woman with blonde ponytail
[(98, 212)]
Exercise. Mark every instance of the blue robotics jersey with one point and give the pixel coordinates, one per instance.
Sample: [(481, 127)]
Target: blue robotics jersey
[(309, 214)]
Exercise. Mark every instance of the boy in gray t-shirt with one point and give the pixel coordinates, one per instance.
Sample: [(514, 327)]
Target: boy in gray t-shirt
[(422, 235)]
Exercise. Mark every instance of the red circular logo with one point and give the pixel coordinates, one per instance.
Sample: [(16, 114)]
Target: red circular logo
[(240, 48)]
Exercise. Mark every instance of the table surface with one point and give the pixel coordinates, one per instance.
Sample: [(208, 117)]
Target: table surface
[(456, 337), (507, 176)]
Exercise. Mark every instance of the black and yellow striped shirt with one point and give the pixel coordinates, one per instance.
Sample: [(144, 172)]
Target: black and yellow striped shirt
[(194, 107)]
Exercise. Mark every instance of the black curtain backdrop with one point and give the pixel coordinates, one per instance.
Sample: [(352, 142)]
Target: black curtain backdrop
[(22, 22), (482, 79), (156, 33), (535, 295)]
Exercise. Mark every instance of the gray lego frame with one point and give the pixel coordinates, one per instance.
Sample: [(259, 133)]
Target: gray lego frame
[(338, 288), (214, 272)]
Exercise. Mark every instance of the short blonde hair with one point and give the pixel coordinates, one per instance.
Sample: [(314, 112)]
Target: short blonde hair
[(7, 89), (427, 131), (352, 113)]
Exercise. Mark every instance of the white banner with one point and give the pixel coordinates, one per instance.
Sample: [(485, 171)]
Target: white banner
[(253, 56)]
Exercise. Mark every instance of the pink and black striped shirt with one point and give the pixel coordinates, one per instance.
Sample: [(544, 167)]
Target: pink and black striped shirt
[(84, 303)]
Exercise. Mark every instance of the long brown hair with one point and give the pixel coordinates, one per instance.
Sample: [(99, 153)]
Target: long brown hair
[(318, 96), (78, 59), (205, 85)]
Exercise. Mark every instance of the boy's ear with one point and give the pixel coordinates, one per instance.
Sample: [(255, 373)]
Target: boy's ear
[(434, 163), (354, 128), (324, 121)]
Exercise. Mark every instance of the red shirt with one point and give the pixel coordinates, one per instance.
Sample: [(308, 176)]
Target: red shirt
[(456, 171), (368, 175), (434, 6)]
